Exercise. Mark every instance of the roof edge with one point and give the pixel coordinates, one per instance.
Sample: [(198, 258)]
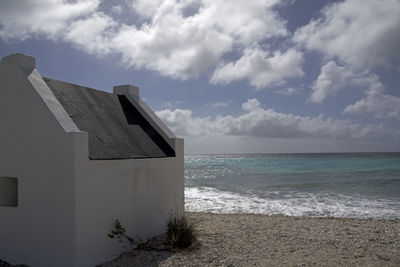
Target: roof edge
[(52, 103)]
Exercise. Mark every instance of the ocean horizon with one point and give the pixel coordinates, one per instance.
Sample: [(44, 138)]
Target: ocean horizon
[(354, 185)]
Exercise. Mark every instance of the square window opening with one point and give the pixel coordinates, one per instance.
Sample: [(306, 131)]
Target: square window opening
[(8, 191)]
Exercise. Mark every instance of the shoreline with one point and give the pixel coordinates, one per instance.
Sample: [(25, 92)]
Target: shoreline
[(243, 239), (293, 216), (309, 204)]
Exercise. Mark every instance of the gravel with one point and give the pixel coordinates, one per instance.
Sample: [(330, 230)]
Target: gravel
[(262, 240)]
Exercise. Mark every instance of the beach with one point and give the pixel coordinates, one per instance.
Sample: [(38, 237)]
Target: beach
[(276, 240)]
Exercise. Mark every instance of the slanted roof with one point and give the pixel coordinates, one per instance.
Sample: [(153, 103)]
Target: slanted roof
[(116, 129)]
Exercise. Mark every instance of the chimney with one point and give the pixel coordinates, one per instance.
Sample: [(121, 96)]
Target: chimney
[(127, 90)]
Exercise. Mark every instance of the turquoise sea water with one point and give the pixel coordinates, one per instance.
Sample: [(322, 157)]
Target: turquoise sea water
[(360, 185)]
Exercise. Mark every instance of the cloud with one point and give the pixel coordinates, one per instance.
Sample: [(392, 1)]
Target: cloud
[(334, 78), (176, 48), (89, 34), (220, 104), (146, 8), (330, 81), (260, 68), (247, 22), (116, 9), (20, 20), (181, 39), (257, 122), (286, 91), (182, 123), (251, 104), (378, 103), (361, 33), (184, 45)]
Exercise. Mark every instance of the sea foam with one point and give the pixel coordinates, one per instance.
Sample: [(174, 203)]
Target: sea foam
[(206, 199)]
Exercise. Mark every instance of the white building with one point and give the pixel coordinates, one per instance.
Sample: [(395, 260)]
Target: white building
[(72, 161)]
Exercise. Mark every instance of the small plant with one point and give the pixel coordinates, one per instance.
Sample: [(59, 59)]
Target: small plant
[(181, 233), (119, 232)]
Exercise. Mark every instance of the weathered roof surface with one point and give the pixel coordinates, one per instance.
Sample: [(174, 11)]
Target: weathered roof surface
[(116, 129)]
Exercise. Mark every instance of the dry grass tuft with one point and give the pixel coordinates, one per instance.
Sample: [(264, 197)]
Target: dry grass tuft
[(181, 233)]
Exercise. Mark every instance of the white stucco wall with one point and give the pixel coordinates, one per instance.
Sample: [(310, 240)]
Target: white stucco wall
[(141, 193), (67, 204), (35, 149)]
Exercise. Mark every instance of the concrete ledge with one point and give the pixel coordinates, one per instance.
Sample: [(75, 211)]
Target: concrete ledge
[(127, 90), (19, 60), (51, 102)]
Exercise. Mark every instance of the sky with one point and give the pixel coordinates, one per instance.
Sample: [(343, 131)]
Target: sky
[(230, 76)]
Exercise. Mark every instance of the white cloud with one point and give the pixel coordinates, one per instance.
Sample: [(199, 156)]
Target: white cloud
[(261, 68), (286, 91), (334, 78), (116, 9), (257, 122), (361, 33), (220, 104), (177, 38), (246, 21), (172, 104), (330, 81), (381, 105), (181, 46), (25, 18), (181, 122), (251, 104), (175, 46), (89, 34), (146, 8)]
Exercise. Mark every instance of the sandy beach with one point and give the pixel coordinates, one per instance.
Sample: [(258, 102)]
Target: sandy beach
[(262, 240)]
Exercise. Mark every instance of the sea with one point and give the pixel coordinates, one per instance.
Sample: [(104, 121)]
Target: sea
[(355, 185)]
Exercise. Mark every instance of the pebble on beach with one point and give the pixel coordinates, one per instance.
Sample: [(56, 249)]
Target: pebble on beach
[(262, 240)]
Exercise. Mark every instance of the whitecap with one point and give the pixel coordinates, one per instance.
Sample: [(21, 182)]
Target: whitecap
[(319, 204)]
